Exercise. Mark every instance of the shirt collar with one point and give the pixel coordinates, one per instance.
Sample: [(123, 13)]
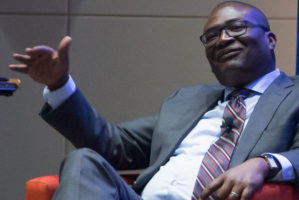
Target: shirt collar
[(259, 85)]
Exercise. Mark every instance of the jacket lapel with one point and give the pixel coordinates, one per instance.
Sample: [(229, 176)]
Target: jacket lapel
[(198, 108), (260, 118), (184, 117)]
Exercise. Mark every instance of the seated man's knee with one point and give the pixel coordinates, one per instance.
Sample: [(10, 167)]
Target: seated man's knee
[(81, 154)]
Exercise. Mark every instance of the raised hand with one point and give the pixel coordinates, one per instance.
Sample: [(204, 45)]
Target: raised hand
[(45, 64)]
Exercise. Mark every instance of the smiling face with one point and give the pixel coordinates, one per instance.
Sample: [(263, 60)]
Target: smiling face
[(237, 61)]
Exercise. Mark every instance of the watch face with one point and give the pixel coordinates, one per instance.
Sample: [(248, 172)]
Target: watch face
[(274, 166), (272, 162)]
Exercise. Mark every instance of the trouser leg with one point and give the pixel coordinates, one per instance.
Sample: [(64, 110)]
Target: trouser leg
[(85, 174)]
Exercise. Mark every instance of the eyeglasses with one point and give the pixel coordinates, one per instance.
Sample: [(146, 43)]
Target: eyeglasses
[(232, 29)]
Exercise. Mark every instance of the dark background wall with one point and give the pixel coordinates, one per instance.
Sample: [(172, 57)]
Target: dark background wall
[(126, 57)]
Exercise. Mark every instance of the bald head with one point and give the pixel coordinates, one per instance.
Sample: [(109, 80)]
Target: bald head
[(255, 13)]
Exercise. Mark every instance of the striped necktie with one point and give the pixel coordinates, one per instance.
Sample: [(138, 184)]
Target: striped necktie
[(217, 158)]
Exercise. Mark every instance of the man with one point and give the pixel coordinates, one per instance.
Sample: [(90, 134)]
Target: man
[(173, 146)]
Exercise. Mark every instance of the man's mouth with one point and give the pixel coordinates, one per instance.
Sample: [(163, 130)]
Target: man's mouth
[(226, 54)]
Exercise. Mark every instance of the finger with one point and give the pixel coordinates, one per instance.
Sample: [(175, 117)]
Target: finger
[(19, 68), (235, 192), (212, 187), (63, 49), (22, 58), (224, 191), (247, 193), (40, 52)]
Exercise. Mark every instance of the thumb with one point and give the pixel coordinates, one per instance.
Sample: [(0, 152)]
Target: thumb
[(63, 49)]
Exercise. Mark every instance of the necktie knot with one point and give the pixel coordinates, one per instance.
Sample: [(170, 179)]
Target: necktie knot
[(243, 93)]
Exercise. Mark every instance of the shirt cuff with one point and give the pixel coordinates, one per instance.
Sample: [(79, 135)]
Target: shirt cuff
[(287, 171), (57, 97)]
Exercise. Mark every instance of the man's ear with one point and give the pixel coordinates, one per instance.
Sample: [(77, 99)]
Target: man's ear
[(271, 40)]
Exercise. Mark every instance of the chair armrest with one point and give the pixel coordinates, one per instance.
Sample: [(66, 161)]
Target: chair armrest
[(43, 188), (276, 191)]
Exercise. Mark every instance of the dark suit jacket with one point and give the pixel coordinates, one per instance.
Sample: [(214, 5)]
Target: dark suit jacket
[(149, 142)]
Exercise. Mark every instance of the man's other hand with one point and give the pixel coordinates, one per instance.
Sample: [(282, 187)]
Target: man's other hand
[(45, 64), (239, 182)]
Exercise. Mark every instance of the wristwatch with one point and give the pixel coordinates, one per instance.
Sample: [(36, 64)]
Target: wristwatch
[(273, 164)]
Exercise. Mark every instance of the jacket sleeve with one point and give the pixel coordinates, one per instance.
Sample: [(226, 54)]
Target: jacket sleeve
[(125, 145)]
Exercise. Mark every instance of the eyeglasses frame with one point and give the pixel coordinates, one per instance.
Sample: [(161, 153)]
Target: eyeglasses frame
[(224, 27)]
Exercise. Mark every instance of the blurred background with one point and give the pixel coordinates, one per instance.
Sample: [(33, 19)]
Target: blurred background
[(126, 57)]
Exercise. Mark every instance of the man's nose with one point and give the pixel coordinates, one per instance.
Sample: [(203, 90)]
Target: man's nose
[(224, 36)]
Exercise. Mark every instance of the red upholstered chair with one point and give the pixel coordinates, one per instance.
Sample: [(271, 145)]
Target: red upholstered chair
[(43, 188)]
